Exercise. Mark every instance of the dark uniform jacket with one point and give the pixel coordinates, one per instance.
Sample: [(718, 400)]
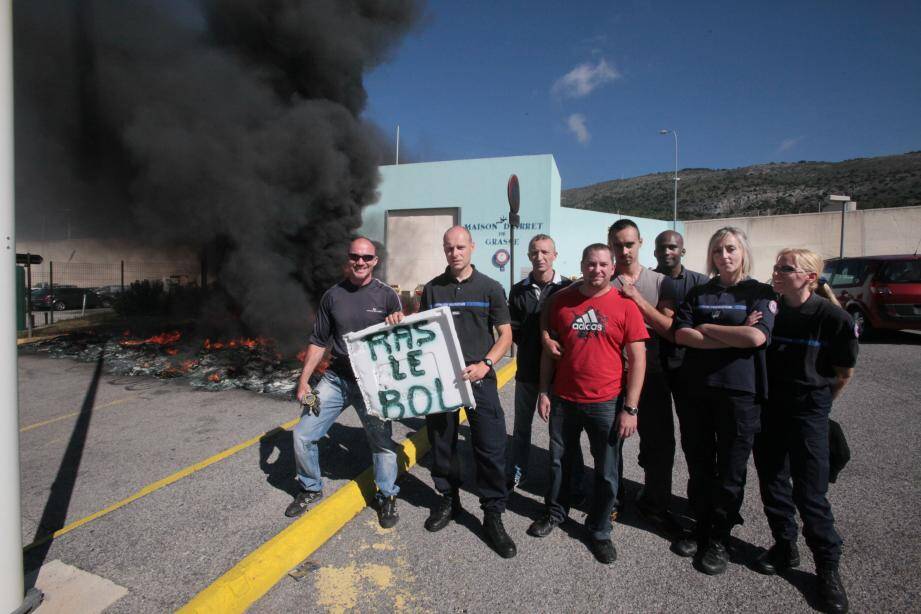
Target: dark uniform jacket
[(525, 302)]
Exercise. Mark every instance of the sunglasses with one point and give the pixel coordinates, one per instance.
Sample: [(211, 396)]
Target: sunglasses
[(365, 257), (787, 269)]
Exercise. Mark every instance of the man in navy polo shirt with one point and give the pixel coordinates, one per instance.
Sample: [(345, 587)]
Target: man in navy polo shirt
[(478, 305)]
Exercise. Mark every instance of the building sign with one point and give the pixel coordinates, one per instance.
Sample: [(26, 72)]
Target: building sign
[(497, 233), (410, 369)]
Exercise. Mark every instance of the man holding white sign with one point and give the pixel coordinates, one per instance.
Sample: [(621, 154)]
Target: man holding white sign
[(477, 305), (353, 304)]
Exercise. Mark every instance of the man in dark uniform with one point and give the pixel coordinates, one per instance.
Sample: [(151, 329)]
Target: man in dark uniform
[(679, 281), (525, 302), (355, 303), (478, 305)]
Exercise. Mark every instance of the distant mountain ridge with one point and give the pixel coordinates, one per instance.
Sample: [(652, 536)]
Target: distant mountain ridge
[(763, 189)]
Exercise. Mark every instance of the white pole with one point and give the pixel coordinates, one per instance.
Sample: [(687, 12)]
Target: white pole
[(398, 145), (11, 574)]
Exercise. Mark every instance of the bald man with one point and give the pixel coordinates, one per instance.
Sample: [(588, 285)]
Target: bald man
[(355, 303), (479, 307)]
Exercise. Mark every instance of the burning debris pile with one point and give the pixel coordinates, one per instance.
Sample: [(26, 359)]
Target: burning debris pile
[(251, 364)]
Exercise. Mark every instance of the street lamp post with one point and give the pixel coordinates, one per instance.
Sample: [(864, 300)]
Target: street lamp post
[(675, 212)]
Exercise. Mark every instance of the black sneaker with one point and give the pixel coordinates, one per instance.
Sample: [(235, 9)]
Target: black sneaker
[(715, 558), (302, 502), (387, 515), (448, 507), (543, 526), (831, 591), (604, 550), (783, 555)]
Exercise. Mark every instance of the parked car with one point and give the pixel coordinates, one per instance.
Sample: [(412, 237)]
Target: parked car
[(880, 292), (64, 298), (108, 294)]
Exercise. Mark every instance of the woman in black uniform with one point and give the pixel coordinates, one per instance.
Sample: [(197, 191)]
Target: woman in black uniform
[(810, 360), (726, 378)]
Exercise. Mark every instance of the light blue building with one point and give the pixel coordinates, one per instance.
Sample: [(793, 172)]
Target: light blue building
[(418, 202)]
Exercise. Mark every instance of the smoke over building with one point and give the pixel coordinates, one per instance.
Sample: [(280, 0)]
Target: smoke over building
[(228, 124)]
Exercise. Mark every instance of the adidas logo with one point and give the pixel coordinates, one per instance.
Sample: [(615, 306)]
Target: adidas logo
[(588, 322)]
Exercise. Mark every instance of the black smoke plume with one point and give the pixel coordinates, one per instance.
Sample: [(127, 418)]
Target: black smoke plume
[(229, 123)]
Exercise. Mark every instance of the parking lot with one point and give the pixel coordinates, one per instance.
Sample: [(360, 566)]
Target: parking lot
[(212, 474)]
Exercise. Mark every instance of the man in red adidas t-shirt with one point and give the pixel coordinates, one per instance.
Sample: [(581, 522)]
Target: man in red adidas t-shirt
[(594, 326)]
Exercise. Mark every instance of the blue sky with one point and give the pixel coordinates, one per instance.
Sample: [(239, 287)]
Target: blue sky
[(593, 82)]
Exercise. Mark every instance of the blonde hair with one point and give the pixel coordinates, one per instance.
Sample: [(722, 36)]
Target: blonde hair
[(741, 239), (810, 262)]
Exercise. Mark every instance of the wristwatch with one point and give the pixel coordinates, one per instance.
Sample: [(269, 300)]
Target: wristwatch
[(487, 362), (631, 410)]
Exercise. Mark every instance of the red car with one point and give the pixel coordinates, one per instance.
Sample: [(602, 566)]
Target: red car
[(880, 292)]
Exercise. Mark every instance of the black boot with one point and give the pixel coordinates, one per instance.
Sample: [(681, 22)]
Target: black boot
[(387, 515), (783, 555), (715, 558), (448, 507), (543, 526), (831, 592), (497, 537)]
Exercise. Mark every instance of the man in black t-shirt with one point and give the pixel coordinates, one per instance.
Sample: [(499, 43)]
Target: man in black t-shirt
[(478, 305), (353, 304)]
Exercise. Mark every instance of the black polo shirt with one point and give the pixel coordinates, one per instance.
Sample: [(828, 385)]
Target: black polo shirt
[(525, 302), (676, 290), (477, 304), (742, 369), (809, 341), (346, 308)]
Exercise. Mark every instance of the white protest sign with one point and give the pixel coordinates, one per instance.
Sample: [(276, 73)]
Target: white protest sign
[(410, 369)]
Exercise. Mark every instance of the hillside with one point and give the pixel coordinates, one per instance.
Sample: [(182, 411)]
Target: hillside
[(763, 189)]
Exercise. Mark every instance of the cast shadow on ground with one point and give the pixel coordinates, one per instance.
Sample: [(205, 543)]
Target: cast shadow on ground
[(344, 454), (54, 516)]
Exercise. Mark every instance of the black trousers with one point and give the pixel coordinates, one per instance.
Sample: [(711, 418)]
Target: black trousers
[(656, 428), (487, 427), (599, 421), (721, 427), (793, 444)]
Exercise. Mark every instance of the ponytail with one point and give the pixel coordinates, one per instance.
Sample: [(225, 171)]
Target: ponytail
[(824, 290)]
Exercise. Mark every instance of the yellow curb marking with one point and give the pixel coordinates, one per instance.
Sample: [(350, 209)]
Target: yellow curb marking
[(252, 577), (162, 484), (76, 413)]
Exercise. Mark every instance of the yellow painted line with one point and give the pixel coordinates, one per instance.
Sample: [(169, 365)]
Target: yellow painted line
[(162, 483), (251, 578), (76, 413)]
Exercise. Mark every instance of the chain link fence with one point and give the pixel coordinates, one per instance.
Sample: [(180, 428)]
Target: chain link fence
[(64, 290)]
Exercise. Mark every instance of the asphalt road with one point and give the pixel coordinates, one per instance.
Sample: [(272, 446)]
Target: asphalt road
[(166, 547)]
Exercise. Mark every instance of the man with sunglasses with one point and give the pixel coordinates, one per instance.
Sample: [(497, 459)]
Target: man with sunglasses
[(355, 303)]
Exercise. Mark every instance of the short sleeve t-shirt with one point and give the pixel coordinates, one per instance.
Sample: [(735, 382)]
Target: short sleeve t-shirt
[(346, 308), (593, 332), (742, 369), (808, 343)]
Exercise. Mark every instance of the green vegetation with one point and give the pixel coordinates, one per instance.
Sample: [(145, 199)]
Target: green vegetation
[(764, 189)]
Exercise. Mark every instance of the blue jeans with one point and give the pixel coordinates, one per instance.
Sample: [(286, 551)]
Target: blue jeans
[(519, 456), (337, 393), (599, 421)]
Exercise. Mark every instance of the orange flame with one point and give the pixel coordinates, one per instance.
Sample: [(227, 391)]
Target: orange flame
[(214, 377), (161, 339)]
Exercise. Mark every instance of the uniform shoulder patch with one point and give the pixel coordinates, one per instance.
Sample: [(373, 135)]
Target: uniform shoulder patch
[(772, 305)]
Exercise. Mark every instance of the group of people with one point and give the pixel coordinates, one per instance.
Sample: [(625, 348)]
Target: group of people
[(750, 368)]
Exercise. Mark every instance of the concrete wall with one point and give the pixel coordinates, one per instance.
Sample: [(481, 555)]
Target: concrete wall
[(867, 232), (478, 189)]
